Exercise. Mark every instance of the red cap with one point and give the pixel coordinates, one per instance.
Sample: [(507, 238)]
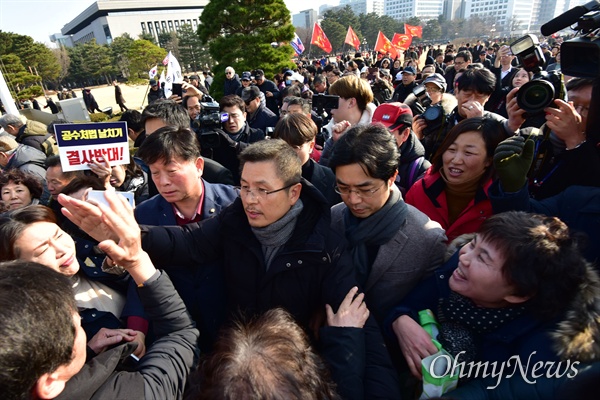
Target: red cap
[(392, 115)]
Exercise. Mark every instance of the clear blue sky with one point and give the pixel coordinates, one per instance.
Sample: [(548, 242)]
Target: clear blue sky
[(41, 18)]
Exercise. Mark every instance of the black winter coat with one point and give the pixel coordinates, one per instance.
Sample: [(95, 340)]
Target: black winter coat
[(304, 276)]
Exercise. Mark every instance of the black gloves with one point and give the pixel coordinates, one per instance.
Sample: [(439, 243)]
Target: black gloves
[(512, 160)]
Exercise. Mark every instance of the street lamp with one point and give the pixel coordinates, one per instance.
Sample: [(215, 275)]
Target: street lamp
[(365, 44), (493, 31)]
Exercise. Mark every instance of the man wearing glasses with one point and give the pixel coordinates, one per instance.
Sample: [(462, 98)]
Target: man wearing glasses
[(232, 81), (393, 245), (273, 243), (461, 61)]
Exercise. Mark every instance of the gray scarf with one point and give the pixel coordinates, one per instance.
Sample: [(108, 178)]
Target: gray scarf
[(273, 237), (375, 230)]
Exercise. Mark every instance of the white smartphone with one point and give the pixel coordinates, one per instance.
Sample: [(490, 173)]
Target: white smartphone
[(98, 196)]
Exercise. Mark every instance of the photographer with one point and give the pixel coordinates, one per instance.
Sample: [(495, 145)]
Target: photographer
[(473, 89), (434, 94), (382, 86), (238, 134), (563, 156)]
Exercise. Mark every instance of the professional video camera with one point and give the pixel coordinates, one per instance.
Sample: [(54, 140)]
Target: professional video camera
[(208, 121), (544, 87), (433, 115), (580, 56)]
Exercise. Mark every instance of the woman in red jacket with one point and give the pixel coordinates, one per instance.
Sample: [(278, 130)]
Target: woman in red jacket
[(453, 192)]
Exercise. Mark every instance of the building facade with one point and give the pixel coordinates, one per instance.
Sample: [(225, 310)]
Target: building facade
[(404, 9), (107, 19), (305, 19), (364, 6)]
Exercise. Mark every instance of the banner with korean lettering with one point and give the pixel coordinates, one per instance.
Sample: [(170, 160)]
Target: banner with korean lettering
[(79, 144)]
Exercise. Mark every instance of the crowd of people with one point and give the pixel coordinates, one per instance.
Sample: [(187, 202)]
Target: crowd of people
[(287, 238)]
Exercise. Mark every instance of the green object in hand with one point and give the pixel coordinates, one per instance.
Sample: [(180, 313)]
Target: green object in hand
[(512, 160)]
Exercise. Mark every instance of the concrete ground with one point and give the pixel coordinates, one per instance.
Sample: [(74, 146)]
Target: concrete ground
[(135, 96)]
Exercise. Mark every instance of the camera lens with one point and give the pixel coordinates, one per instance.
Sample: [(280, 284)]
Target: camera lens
[(536, 95), (432, 113)]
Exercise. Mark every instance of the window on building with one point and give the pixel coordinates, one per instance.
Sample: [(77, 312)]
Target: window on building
[(163, 25), (170, 26), (143, 27), (157, 26)]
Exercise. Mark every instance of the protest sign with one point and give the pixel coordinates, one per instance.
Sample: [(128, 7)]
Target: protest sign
[(79, 144)]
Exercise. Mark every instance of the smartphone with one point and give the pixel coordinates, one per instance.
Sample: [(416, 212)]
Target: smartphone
[(98, 197), (325, 101), (177, 89)]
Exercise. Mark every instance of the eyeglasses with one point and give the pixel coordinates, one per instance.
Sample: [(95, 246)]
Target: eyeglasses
[(459, 62), (362, 193), (261, 194), (227, 73)]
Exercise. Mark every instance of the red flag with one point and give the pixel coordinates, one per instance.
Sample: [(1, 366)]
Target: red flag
[(320, 39), (352, 39), (384, 45), (402, 41), (413, 30)]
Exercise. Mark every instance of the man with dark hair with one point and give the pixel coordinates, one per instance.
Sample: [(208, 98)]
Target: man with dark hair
[(37, 300), (173, 157), (320, 84), (259, 117), (381, 229), (238, 134), (409, 76), (273, 242), (461, 60), (474, 88), (135, 127), (299, 131), (56, 178), (168, 113)]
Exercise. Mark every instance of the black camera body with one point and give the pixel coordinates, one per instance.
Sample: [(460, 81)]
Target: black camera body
[(433, 115), (544, 87), (207, 121), (422, 96)]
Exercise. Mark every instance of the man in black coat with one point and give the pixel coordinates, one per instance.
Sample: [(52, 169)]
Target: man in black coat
[(270, 90)]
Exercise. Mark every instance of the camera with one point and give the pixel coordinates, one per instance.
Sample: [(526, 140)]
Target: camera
[(324, 102), (433, 115), (581, 55), (422, 96), (544, 87), (207, 121)]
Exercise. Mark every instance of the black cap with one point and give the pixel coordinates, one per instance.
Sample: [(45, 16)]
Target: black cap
[(250, 93)]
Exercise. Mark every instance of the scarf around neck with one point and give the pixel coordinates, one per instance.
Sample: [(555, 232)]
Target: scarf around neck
[(375, 230), (273, 237)]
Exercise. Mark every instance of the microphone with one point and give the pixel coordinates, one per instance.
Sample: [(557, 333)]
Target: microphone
[(568, 18)]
